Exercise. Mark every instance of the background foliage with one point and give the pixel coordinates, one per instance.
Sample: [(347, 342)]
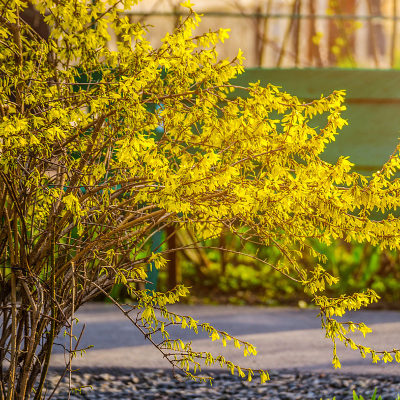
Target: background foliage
[(245, 281)]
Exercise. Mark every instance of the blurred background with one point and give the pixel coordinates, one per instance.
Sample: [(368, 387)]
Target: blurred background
[(291, 33)]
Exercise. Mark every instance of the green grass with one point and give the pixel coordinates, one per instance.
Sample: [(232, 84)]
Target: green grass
[(355, 397), (374, 396)]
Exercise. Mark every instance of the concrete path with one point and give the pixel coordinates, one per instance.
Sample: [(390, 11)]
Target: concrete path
[(285, 338)]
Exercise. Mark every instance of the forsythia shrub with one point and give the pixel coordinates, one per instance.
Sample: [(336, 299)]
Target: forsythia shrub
[(100, 149)]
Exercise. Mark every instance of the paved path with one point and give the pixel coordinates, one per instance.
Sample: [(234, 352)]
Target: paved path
[(284, 337)]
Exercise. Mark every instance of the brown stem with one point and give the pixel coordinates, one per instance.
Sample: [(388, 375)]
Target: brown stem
[(35, 315), (394, 36), (13, 361), (314, 50), (287, 34), (264, 38), (122, 227), (296, 32), (52, 333), (71, 328), (373, 35)]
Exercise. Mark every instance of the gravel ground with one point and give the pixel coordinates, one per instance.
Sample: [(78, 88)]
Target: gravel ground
[(284, 385)]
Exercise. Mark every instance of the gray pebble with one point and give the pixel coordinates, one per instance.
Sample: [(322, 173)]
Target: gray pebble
[(161, 385)]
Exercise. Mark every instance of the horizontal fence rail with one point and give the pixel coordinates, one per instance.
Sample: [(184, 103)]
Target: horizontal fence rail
[(264, 15)]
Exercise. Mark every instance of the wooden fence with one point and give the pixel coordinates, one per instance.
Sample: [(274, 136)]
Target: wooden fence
[(291, 33), (372, 101)]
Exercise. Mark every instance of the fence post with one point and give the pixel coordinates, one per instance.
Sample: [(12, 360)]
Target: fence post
[(173, 267), (152, 276)]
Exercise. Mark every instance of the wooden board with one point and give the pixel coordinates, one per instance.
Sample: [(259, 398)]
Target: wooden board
[(373, 107)]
